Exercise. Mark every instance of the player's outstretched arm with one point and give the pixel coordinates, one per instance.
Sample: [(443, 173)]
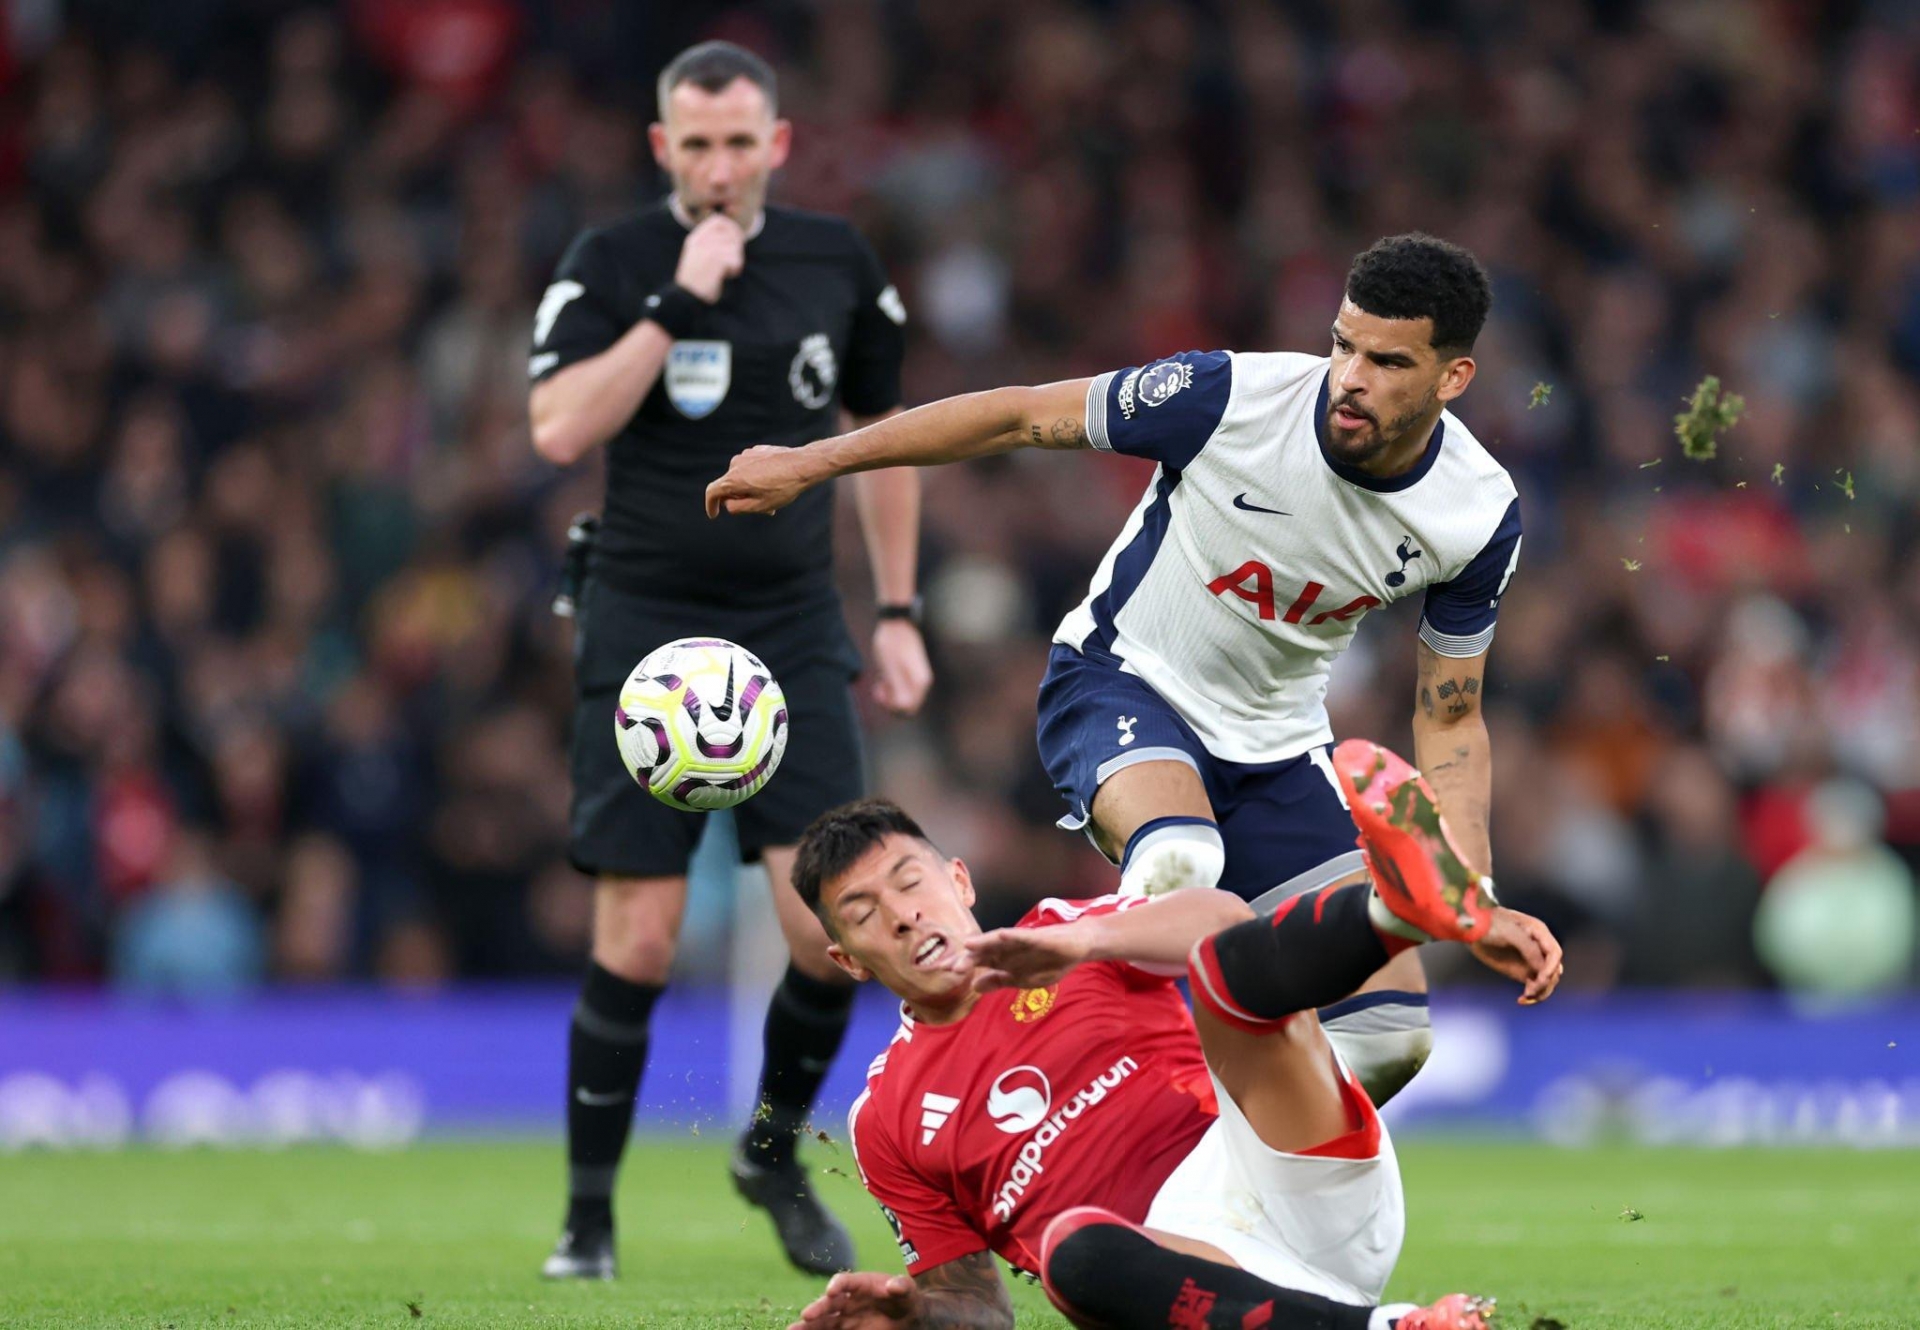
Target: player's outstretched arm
[(965, 1293), (1155, 934), (767, 479)]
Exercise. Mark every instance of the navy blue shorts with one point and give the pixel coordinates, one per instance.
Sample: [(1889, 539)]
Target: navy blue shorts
[(1284, 824)]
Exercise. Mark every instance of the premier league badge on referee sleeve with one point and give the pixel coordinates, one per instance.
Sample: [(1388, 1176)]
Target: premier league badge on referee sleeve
[(698, 375)]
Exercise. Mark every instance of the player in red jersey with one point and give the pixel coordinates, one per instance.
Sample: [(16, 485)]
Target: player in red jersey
[(1049, 1098)]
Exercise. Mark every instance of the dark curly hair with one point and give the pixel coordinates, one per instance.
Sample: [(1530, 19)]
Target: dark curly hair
[(837, 839), (1418, 276)]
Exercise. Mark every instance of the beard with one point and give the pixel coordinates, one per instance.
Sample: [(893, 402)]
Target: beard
[(1358, 446)]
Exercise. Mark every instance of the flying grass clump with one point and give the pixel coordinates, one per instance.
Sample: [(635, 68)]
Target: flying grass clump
[(1709, 414)]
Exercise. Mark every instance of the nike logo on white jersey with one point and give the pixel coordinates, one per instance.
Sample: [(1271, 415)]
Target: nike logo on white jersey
[(592, 1100), (935, 1109), (1240, 502)]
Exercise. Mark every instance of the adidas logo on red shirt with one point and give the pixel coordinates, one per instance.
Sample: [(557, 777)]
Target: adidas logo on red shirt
[(935, 1109)]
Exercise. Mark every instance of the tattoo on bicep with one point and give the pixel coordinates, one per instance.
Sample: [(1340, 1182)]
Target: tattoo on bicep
[(1426, 699), (1068, 433), (1455, 694), (966, 1293)]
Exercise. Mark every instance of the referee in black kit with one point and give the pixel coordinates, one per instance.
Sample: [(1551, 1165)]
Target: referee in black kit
[(678, 337)]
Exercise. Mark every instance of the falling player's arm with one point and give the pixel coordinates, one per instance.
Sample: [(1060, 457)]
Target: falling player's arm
[(1154, 935), (1451, 748), (766, 479), (965, 1293)]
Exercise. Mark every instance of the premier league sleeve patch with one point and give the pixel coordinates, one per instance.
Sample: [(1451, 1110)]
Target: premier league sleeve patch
[(1158, 382), (1167, 410)]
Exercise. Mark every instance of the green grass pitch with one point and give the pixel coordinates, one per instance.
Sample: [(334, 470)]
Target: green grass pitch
[(451, 1234)]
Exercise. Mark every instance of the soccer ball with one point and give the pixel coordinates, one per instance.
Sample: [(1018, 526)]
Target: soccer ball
[(701, 723)]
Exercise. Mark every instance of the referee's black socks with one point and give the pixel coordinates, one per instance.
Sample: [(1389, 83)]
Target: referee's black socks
[(606, 1052), (806, 1021)]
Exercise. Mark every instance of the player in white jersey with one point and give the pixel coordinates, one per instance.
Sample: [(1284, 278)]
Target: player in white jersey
[(1183, 712)]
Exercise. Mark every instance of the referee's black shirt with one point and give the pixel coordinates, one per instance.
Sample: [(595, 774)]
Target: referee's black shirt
[(809, 325)]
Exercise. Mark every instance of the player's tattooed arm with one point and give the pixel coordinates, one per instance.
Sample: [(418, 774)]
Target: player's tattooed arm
[(1066, 432), (1449, 686), (965, 1293), (1451, 746)]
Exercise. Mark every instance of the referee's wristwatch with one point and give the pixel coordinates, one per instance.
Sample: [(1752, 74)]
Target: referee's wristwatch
[(910, 610)]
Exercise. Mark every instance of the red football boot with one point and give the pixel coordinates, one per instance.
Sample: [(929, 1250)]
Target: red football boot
[(1418, 872), (1456, 1311)]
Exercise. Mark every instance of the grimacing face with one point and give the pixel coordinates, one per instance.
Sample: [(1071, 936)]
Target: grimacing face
[(720, 148), (900, 915), (1386, 382)]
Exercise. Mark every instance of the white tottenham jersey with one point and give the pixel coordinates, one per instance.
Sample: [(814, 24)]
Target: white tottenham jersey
[(1252, 557)]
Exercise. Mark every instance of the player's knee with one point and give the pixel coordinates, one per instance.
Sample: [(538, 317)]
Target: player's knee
[(637, 960), (1076, 1253), (1172, 854), (636, 922), (638, 948), (1386, 1044)]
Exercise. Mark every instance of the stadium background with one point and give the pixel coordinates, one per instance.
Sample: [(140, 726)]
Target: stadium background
[(282, 707)]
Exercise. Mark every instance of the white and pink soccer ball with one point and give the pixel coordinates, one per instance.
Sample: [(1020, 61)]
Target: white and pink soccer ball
[(701, 723)]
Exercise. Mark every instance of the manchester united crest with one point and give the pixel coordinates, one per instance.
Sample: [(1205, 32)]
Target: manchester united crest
[(1032, 1004)]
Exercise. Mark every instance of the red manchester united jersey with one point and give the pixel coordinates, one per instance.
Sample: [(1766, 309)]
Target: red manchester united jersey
[(976, 1134)]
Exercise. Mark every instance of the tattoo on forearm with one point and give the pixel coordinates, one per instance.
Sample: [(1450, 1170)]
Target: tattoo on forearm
[(1068, 433), (1039, 439), (965, 1294), (1426, 699)]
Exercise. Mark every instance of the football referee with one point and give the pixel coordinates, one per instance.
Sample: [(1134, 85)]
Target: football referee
[(678, 337)]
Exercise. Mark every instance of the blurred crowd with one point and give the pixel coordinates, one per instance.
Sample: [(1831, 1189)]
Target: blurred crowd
[(280, 695)]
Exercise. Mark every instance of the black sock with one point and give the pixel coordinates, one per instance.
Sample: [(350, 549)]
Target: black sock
[(806, 1021), (606, 1052), (1315, 950), (1112, 1276)]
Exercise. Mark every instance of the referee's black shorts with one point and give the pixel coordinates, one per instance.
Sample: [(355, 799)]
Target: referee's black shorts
[(620, 829)]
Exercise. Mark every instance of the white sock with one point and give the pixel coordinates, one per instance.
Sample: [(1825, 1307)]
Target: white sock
[(1385, 1037), (1384, 1317), (1172, 854)]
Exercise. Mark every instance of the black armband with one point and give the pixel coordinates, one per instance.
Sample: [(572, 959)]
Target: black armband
[(674, 308)]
